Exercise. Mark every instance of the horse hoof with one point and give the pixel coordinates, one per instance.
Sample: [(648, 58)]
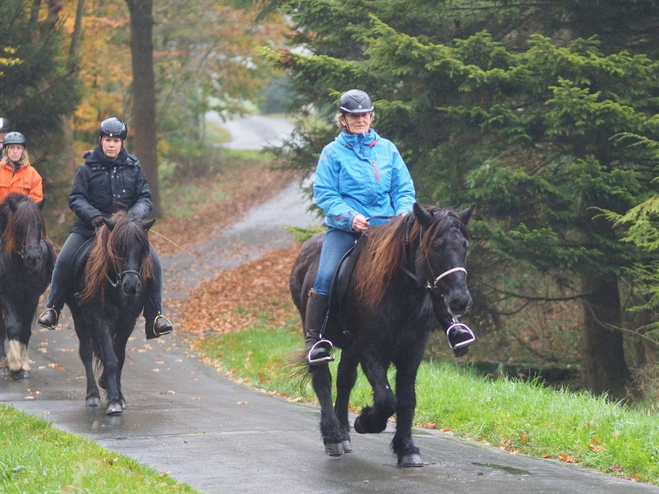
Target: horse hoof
[(16, 374), (412, 460), (358, 426), (347, 446), (334, 449), (25, 374), (4, 372), (93, 402), (114, 409)]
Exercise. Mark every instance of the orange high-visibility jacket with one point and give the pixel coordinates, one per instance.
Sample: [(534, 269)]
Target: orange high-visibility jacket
[(26, 180)]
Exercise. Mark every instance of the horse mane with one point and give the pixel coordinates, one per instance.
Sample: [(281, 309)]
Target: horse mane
[(18, 216), (385, 254), (108, 250)]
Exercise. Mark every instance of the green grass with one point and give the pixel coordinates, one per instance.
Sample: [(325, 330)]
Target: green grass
[(521, 417), (38, 458)]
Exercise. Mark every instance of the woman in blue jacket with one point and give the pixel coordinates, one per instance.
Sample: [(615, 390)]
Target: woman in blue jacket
[(360, 175)]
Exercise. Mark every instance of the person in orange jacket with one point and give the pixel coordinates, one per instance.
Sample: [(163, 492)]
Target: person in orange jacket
[(16, 173)]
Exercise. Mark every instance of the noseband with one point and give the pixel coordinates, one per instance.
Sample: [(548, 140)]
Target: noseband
[(120, 277), (444, 274)]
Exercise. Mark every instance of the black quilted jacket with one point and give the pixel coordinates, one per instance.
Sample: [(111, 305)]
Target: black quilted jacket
[(104, 186)]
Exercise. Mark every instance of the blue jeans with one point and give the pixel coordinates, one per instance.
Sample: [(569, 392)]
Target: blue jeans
[(335, 244)]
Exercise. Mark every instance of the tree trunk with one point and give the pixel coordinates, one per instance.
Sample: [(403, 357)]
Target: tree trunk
[(144, 94), (76, 37), (603, 366)]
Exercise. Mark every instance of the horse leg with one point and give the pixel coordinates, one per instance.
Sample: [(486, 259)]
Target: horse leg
[(321, 380), (345, 381), (86, 352), (16, 348), (373, 420), (402, 443), (120, 343), (4, 369), (110, 369)]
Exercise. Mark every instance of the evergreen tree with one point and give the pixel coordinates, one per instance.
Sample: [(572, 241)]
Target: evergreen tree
[(524, 125), (37, 88)]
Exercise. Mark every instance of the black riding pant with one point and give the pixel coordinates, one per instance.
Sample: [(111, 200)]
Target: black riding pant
[(63, 276)]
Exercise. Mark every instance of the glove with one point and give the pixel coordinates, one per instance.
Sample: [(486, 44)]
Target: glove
[(97, 221)]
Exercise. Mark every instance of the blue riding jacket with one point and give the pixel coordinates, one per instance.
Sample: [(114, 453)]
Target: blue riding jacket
[(362, 174)]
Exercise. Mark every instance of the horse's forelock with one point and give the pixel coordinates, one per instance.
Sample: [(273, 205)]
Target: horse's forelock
[(21, 220)]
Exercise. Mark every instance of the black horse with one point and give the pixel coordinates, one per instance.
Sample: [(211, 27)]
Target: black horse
[(407, 269), (105, 299), (26, 263)]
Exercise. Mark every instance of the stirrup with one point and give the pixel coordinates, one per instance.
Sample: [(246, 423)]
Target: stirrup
[(166, 331), (320, 344), (454, 327), (43, 313)]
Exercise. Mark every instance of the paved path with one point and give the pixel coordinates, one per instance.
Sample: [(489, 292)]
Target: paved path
[(186, 419)]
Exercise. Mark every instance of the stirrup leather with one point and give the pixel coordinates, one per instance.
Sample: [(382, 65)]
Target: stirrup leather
[(324, 344), (454, 327)]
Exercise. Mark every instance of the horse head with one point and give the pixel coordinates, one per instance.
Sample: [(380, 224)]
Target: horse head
[(24, 232), (120, 257), (442, 255)]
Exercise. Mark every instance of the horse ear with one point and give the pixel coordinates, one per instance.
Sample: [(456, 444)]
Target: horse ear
[(109, 223), (11, 203), (148, 224), (465, 214), (422, 216)]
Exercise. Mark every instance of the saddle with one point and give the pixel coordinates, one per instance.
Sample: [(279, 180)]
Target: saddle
[(79, 261), (341, 282)]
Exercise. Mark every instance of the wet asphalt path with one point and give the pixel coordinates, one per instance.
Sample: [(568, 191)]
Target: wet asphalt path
[(185, 418)]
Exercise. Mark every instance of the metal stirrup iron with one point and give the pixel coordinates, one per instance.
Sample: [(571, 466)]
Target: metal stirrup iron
[(322, 343), (454, 327)]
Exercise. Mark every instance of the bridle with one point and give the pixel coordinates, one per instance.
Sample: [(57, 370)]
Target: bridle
[(443, 275), (120, 276)]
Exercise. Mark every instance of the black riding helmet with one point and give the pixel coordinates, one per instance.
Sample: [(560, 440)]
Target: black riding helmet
[(113, 127), (355, 101), (5, 125), (14, 138)]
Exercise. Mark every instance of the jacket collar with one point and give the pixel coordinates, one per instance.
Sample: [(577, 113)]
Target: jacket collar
[(98, 157), (356, 141)]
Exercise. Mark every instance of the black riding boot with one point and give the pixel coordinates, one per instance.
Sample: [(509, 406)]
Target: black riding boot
[(318, 349), (156, 324), (459, 335), (60, 280)]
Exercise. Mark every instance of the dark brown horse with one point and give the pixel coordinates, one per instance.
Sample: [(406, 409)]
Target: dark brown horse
[(107, 296), (26, 263), (409, 270)]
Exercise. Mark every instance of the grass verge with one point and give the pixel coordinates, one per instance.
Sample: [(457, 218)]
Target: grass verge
[(52, 461)]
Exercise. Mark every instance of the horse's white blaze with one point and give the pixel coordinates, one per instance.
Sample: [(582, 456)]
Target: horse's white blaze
[(16, 353)]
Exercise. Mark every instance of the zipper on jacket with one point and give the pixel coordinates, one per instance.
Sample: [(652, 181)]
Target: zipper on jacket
[(375, 169)]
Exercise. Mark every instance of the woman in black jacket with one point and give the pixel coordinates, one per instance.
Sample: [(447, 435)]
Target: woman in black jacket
[(108, 181)]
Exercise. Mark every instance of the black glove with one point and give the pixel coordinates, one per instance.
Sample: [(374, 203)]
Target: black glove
[(97, 221)]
